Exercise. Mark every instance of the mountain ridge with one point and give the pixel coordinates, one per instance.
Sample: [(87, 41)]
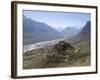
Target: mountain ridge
[(34, 31), (69, 32), (83, 38)]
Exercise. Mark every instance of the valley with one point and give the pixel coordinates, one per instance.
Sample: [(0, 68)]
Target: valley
[(44, 47)]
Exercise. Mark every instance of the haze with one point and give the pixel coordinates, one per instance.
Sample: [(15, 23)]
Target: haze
[(59, 20)]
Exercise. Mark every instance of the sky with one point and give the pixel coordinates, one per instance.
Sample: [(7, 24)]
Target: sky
[(59, 20)]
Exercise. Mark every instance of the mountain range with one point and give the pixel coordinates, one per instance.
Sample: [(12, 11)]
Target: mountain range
[(69, 32), (34, 31)]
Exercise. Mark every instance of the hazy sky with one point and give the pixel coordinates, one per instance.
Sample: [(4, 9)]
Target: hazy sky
[(59, 20)]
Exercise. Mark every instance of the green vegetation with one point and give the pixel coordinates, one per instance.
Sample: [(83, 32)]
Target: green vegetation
[(62, 52)]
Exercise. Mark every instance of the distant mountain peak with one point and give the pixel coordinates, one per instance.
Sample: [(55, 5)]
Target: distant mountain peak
[(70, 31)]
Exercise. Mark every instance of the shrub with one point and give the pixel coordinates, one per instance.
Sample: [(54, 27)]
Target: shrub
[(62, 51), (63, 48)]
